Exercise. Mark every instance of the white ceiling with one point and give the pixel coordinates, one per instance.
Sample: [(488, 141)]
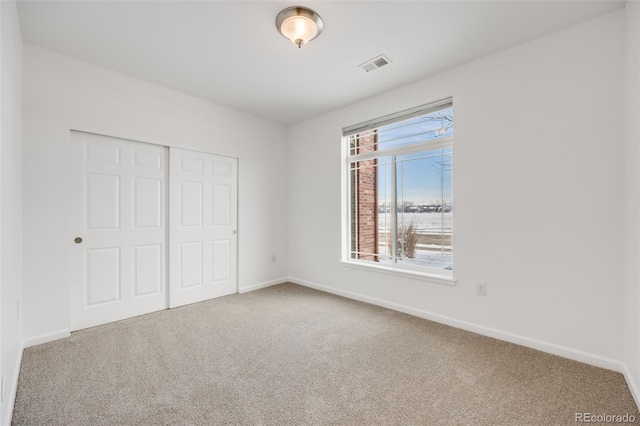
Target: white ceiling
[(230, 53)]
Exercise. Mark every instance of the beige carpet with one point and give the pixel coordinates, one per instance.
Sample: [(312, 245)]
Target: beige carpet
[(288, 355)]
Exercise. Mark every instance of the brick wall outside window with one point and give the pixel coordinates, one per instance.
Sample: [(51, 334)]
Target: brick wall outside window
[(364, 193)]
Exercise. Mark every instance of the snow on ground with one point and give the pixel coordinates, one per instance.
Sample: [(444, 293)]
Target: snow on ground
[(426, 223), (429, 258)]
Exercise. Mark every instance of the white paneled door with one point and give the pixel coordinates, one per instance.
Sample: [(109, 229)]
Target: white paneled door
[(203, 222), (118, 229)]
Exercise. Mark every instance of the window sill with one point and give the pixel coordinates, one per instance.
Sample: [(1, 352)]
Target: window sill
[(422, 276)]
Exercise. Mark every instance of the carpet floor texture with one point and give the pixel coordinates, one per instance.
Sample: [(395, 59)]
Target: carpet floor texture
[(289, 355)]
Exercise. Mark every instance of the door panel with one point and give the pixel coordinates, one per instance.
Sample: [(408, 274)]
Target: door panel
[(102, 201), (102, 272), (147, 269), (220, 260), (221, 205), (190, 204), (203, 240), (153, 160), (147, 204), (101, 153), (191, 264), (118, 209)]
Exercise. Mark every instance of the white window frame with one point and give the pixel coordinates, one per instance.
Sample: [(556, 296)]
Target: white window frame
[(439, 276)]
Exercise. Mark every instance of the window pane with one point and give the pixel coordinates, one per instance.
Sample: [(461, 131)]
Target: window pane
[(400, 205), (385, 203), (447, 212), (363, 142), (370, 194), (424, 209), (436, 125), (432, 126)]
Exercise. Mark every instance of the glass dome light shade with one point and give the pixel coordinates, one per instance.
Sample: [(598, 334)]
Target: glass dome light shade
[(299, 29), (299, 24)]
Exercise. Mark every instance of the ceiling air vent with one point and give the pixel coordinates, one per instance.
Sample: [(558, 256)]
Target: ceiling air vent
[(375, 63)]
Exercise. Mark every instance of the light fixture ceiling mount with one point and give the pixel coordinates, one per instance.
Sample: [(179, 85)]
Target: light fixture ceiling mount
[(299, 24)]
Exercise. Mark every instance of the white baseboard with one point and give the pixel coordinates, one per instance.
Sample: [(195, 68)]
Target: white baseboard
[(633, 386), (14, 388), (262, 285), (551, 348), (45, 338)]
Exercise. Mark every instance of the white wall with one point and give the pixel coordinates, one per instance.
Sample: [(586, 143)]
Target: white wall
[(632, 196), (538, 132), (10, 203), (61, 93)]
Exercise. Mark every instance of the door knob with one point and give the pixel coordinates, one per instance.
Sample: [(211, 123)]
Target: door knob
[(234, 232), (77, 240)]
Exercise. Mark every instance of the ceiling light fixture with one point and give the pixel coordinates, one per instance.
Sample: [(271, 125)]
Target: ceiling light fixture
[(299, 24)]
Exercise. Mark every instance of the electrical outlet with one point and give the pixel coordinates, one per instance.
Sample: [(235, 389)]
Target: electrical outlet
[(2, 390), (273, 258), (481, 289)]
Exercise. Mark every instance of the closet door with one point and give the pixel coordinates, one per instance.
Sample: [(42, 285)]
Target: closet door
[(118, 229), (203, 221)]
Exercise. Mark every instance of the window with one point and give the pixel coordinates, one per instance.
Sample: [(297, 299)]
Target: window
[(399, 198)]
